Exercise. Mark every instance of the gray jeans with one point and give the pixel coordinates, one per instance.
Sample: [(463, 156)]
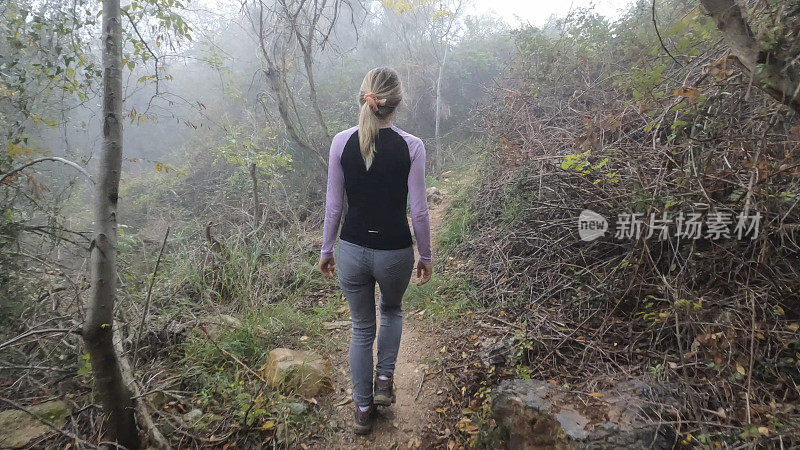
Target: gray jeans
[(359, 268)]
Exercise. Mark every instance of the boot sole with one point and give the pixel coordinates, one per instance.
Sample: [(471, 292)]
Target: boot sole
[(383, 400), (361, 430)]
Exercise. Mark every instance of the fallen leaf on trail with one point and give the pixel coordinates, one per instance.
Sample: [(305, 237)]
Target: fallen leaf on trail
[(687, 92), (596, 394), (740, 369), (793, 326), (440, 410), (268, 425), (763, 430)]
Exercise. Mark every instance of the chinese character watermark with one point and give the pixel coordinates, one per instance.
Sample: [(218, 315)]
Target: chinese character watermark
[(591, 225), (713, 226)]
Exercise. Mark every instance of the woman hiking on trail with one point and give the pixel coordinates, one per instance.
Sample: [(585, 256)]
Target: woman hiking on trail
[(379, 167)]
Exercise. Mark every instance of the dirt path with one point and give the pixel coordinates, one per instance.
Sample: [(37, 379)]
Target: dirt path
[(419, 389)]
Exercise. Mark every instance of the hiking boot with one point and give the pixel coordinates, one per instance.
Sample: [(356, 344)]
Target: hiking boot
[(364, 420), (384, 391)]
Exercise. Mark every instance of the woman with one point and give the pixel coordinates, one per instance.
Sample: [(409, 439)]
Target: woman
[(379, 167)]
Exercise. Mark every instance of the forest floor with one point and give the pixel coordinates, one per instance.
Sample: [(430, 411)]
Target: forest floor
[(419, 387)]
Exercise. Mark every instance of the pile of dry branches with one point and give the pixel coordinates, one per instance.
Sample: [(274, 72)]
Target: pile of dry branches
[(713, 320)]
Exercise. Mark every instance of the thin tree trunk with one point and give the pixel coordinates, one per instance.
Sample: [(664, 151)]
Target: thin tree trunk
[(97, 332), (312, 95), (275, 78), (776, 77), (436, 136), (256, 201)]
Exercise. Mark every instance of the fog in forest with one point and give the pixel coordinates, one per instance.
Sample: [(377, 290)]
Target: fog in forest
[(611, 186)]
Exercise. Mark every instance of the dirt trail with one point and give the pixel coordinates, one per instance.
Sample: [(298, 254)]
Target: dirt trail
[(419, 389)]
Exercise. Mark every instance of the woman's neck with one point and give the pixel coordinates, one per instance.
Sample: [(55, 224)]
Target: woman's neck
[(384, 123)]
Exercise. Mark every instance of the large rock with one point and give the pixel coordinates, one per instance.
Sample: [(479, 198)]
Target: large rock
[(216, 326), (494, 352), (540, 415), (18, 428), (434, 195), (298, 371)]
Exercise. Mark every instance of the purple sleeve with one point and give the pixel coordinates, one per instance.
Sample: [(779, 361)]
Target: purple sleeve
[(333, 197), (419, 200)]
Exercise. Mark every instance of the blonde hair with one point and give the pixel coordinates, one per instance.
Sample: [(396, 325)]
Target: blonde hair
[(379, 96)]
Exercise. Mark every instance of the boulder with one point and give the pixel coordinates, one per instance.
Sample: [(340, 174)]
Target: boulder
[(541, 415), (193, 416), (216, 326), (494, 352), (298, 371), (435, 196), (19, 428)]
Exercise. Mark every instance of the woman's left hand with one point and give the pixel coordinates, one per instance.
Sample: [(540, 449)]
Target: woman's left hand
[(424, 272)]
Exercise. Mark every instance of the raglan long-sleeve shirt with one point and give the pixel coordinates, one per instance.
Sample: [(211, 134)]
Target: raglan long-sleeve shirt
[(377, 198)]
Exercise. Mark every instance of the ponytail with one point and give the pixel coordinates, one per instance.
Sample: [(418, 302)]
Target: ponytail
[(379, 96), (367, 132)]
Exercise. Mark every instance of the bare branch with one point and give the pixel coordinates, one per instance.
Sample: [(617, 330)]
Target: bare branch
[(74, 165)]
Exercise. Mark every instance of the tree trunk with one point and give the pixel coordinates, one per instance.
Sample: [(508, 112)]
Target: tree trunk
[(275, 81), (256, 201), (775, 76), (97, 332), (312, 91), (436, 137)]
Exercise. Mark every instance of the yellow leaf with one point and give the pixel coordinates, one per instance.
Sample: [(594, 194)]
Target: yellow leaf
[(740, 369), (596, 394), (440, 410), (763, 430), (793, 326), (687, 92), (268, 425)]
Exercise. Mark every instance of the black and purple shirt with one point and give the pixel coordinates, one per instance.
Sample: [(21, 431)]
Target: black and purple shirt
[(376, 215)]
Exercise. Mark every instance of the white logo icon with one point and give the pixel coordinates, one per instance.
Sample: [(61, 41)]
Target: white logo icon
[(591, 225)]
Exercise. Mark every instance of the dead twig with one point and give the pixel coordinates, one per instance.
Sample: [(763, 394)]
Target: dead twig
[(229, 355), (147, 300)]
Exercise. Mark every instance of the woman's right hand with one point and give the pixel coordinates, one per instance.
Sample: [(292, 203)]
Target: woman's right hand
[(424, 272), (327, 266)]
